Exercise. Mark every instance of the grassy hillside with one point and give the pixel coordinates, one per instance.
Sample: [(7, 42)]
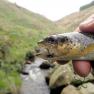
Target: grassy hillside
[(20, 30), (70, 22), (87, 6)]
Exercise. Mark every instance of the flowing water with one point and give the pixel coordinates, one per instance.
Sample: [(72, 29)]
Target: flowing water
[(34, 82)]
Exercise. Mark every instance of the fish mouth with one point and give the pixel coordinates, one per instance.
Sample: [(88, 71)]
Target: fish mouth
[(45, 53), (51, 55)]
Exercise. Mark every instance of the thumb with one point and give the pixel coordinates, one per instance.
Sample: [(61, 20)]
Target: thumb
[(87, 25)]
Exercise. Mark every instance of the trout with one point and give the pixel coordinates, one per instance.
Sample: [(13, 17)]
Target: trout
[(67, 46)]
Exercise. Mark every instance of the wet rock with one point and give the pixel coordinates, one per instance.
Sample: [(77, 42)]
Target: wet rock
[(77, 80), (70, 90), (61, 76), (64, 75), (87, 88)]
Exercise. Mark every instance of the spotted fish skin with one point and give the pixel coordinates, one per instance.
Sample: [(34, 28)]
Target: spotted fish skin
[(68, 46)]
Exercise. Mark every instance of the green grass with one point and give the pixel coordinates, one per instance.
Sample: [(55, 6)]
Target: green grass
[(9, 82), (20, 30)]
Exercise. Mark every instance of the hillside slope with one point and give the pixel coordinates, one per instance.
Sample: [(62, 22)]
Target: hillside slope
[(21, 29), (70, 22), (87, 6)]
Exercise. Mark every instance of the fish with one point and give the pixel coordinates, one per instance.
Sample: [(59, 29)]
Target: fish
[(67, 46)]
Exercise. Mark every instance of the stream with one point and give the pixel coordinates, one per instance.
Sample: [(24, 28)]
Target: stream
[(34, 82)]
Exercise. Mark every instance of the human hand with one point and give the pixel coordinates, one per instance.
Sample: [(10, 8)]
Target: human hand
[(83, 67)]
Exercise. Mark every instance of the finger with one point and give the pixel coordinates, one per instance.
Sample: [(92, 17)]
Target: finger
[(82, 67), (77, 29), (87, 25)]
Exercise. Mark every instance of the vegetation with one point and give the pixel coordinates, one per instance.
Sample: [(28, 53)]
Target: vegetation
[(87, 6), (70, 22), (20, 30)]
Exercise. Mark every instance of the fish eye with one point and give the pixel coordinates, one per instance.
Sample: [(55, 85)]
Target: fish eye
[(63, 39), (51, 40)]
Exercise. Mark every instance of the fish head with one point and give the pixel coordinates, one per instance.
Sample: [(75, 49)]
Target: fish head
[(55, 47)]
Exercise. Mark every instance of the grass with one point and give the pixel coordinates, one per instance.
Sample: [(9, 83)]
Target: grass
[(10, 83), (20, 30), (70, 22)]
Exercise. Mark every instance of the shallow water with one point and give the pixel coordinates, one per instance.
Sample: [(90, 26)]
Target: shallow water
[(34, 83)]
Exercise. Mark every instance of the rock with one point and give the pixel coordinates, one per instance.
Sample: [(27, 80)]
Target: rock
[(77, 80), (61, 76), (64, 74), (87, 88), (70, 90)]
